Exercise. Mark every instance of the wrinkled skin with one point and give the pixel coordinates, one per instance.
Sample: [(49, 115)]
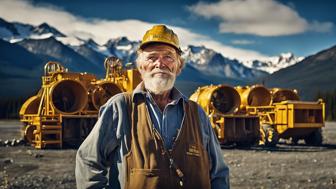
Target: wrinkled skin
[(159, 64)]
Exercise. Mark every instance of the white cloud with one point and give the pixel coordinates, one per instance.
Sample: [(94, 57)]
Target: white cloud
[(242, 42), (258, 17), (98, 29), (102, 30), (321, 27)]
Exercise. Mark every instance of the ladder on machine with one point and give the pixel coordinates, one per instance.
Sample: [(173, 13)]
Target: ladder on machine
[(48, 132)]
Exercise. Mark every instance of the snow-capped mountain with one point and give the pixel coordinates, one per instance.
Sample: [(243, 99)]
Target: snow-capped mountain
[(44, 43), (311, 76), (204, 60), (213, 63), (9, 31), (44, 28), (275, 63), (123, 48), (15, 32)]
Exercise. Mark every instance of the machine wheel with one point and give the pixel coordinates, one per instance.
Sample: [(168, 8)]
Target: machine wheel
[(244, 144), (29, 134), (315, 138), (295, 140), (271, 136)]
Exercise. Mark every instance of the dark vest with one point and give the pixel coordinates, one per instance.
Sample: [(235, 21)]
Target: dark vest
[(149, 164)]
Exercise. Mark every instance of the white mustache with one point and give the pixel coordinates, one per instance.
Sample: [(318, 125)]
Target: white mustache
[(158, 85), (158, 70)]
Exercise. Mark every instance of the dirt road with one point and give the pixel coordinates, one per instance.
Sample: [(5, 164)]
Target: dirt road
[(286, 166)]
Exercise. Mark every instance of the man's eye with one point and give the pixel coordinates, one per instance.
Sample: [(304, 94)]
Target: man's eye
[(152, 58), (169, 58)]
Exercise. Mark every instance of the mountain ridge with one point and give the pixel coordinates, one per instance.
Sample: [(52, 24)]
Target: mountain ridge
[(204, 66), (314, 74)]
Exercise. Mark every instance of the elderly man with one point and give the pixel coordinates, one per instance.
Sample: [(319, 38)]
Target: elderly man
[(154, 137)]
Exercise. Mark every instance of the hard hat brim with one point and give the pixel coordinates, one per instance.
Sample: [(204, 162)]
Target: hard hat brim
[(146, 44)]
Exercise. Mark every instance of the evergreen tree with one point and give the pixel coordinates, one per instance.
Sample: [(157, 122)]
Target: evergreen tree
[(329, 99)]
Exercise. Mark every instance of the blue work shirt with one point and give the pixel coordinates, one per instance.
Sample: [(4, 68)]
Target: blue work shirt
[(167, 122), (100, 160)]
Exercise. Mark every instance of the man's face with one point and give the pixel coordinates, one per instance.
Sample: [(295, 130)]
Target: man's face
[(159, 64)]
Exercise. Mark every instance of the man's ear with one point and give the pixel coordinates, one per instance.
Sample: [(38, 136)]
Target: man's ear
[(138, 60), (180, 66)]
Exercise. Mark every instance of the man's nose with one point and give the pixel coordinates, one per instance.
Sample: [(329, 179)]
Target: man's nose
[(159, 63)]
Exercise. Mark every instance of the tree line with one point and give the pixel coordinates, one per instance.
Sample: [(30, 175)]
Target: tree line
[(330, 104), (10, 108)]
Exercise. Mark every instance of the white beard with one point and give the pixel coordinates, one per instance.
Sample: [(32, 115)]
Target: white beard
[(158, 84)]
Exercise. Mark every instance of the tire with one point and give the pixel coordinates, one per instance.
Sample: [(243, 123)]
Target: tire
[(271, 136), (295, 140), (244, 144), (315, 138), (28, 134)]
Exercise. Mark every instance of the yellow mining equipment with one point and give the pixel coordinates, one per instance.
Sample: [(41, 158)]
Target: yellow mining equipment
[(279, 95), (255, 96), (65, 109), (221, 103), (117, 80), (287, 117)]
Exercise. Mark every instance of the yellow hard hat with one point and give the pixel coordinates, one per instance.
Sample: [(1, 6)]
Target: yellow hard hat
[(161, 34)]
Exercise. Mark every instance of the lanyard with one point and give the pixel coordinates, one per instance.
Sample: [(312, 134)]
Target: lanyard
[(177, 170)]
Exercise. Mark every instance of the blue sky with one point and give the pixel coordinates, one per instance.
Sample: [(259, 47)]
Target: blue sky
[(242, 29)]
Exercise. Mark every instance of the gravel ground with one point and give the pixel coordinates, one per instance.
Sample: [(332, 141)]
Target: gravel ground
[(286, 166)]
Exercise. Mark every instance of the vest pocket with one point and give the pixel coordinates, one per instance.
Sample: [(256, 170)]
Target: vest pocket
[(147, 178), (196, 167)]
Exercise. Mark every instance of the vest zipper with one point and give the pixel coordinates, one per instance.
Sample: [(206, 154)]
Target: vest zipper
[(179, 132), (172, 164), (159, 135)]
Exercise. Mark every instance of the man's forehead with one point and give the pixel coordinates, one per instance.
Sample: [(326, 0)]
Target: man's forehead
[(159, 48)]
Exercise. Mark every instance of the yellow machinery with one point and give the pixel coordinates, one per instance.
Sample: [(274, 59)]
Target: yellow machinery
[(221, 103), (66, 107), (279, 95), (255, 96), (283, 115)]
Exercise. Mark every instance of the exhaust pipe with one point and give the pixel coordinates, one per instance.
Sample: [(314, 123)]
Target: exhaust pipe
[(279, 95), (256, 95), (68, 96), (219, 98), (103, 92)]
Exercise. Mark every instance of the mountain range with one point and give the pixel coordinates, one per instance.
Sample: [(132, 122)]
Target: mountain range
[(33, 46), (275, 63), (316, 73), (26, 48)]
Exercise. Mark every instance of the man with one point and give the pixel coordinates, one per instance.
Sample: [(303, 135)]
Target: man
[(154, 137)]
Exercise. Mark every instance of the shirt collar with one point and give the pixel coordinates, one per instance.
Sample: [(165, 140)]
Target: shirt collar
[(141, 91)]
